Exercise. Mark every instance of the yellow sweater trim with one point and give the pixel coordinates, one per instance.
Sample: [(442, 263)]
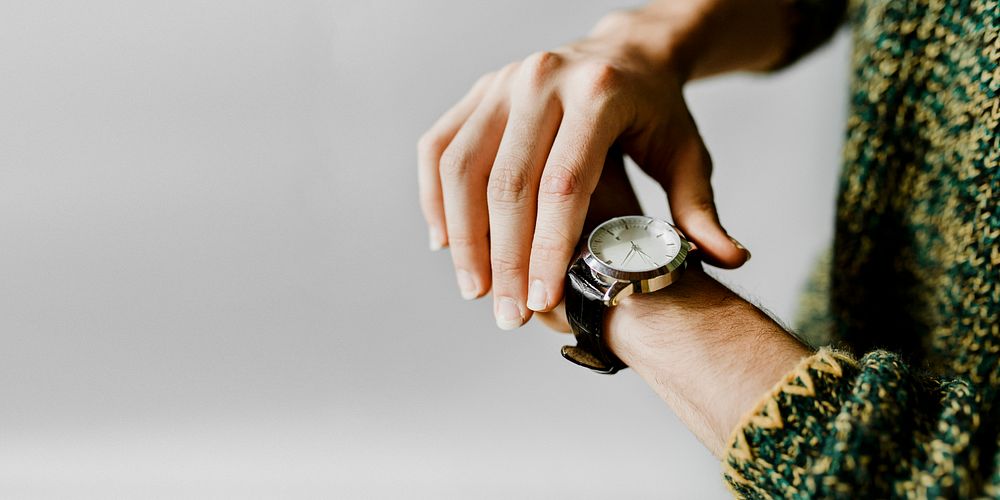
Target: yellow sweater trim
[(767, 413)]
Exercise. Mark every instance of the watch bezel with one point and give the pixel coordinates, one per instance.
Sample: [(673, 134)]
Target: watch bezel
[(599, 267)]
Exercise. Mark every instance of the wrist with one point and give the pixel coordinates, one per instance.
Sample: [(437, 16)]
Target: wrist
[(661, 34), (706, 351), (701, 38), (651, 328)]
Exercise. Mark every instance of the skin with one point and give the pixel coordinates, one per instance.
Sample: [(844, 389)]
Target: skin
[(507, 174), (707, 352), (515, 172)]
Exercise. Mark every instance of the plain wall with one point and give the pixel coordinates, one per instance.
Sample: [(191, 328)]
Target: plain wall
[(214, 276)]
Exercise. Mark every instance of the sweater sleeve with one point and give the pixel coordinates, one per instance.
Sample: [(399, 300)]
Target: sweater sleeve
[(839, 428), (811, 23)]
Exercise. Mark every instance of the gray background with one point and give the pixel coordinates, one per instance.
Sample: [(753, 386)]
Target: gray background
[(214, 279)]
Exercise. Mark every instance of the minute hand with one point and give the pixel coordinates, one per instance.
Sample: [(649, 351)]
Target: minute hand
[(644, 255)]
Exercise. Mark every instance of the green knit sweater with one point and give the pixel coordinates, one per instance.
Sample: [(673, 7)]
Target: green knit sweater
[(913, 284)]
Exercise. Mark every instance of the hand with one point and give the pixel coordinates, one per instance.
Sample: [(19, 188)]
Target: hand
[(507, 174)]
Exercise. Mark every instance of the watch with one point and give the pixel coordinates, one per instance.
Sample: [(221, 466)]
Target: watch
[(622, 256)]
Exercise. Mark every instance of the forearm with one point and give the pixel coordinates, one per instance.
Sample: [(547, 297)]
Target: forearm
[(705, 351), (804, 424), (701, 38)]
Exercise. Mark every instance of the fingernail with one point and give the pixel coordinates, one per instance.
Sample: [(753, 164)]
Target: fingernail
[(508, 314), (536, 296), (741, 247), (467, 284), (436, 239)]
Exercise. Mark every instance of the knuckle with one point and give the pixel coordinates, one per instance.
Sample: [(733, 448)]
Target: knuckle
[(560, 181), (430, 143), (702, 204), (706, 160), (706, 205), (602, 80), (455, 162), (464, 241), (537, 69), (506, 264), (550, 247), (508, 185)]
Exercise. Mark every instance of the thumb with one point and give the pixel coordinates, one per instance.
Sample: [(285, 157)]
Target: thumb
[(689, 190), (555, 319)]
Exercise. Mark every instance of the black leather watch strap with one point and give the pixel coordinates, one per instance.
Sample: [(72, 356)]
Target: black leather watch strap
[(585, 311)]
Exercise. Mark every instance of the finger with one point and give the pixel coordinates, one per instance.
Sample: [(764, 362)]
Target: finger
[(692, 203), (613, 196), (556, 318), (513, 188), (465, 167), (429, 149), (570, 176)]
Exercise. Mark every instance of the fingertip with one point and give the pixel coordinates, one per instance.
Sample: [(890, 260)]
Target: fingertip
[(508, 313), (739, 246), (715, 246), (468, 285), (544, 295), (538, 296), (436, 238), (723, 252)]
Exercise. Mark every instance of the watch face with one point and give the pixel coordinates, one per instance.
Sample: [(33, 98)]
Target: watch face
[(635, 243)]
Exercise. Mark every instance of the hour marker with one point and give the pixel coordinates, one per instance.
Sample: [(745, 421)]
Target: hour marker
[(650, 221), (661, 234)]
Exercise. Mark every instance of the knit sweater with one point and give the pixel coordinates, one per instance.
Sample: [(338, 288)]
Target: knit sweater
[(912, 286)]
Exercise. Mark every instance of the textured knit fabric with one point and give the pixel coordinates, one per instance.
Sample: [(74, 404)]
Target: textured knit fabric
[(913, 279)]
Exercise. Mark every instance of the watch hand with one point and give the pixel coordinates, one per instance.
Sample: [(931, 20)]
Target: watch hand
[(647, 258), (630, 253), (643, 254)]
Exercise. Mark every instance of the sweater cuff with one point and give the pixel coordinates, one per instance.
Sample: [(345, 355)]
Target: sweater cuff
[(778, 442)]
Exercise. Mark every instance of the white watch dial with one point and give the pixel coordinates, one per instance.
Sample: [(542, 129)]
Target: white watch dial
[(635, 243)]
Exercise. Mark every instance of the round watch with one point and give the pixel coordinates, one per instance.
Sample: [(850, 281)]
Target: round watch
[(622, 256)]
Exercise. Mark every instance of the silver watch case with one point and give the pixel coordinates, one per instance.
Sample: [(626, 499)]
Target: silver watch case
[(619, 284)]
